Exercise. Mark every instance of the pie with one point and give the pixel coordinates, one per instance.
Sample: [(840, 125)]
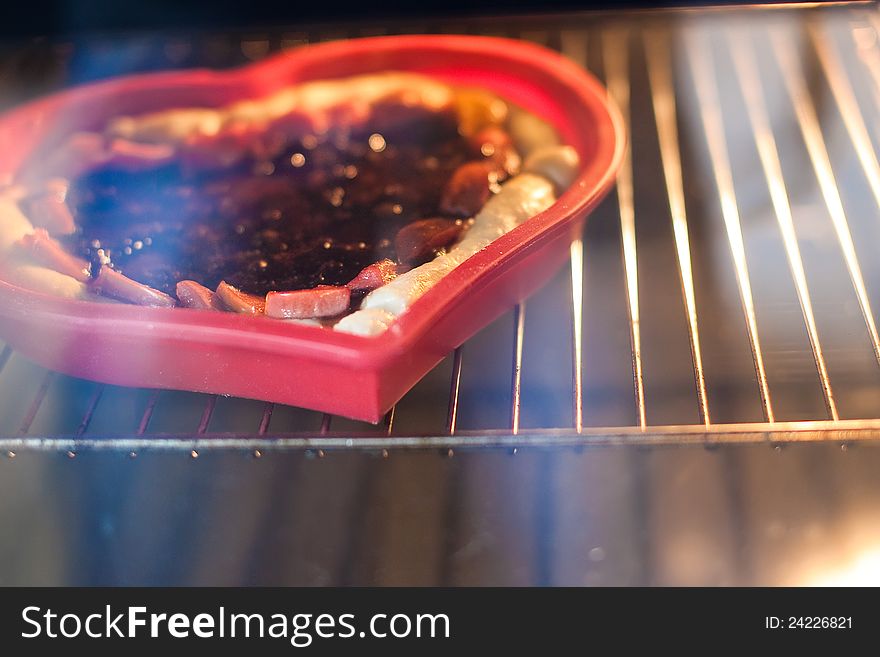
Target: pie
[(336, 203)]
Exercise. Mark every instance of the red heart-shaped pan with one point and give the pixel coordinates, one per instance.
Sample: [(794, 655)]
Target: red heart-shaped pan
[(230, 354)]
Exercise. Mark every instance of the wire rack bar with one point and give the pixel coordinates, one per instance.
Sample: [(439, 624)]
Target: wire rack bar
[(756, 109), (148, 413), (844, 96), (205, 420), (845, 432), (91, 406), (326, 419), (657, 52), (389, 420), (700, 57), (519, 318), (37, 401), (454, 389), (266, 418), (805, 112), (577, 326), (615, 48), (5, 354)]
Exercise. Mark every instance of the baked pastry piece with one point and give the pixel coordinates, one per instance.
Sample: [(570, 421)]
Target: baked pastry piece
[(336, 203)]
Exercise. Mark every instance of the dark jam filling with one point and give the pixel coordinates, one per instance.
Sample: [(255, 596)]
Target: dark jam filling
[(315, 214)]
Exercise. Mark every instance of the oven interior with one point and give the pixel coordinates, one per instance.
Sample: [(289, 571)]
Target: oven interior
[(694, 398)]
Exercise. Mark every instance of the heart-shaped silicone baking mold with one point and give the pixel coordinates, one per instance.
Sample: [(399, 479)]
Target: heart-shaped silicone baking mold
[(225, 353)]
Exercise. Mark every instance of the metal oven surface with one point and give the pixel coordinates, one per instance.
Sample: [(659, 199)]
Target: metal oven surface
[(694, 399)]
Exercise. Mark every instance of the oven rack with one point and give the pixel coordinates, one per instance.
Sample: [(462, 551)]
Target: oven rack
[(725, 292)]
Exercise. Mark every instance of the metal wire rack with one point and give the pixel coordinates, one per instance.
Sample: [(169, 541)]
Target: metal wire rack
[(723, 293)]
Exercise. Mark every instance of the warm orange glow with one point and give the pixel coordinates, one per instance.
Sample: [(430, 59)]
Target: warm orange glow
[(863, 571)]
